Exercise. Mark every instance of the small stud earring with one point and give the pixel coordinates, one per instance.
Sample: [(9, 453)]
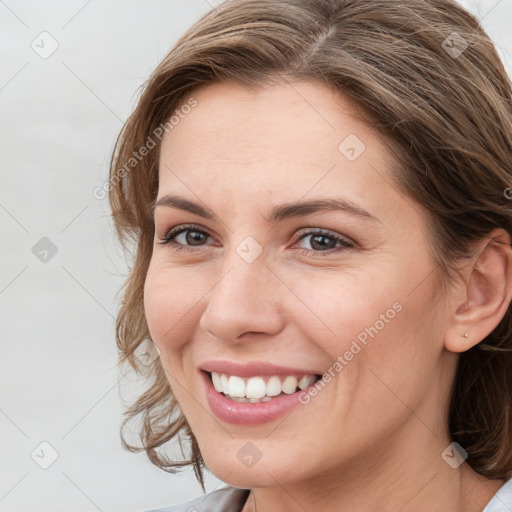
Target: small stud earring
[(465, 335)]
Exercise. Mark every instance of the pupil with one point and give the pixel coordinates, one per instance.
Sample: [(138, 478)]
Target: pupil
[(194, 239), (322, 244)]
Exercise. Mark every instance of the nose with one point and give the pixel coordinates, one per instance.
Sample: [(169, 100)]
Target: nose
[(243, 302)]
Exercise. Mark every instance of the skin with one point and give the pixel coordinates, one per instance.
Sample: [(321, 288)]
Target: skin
[(372, 438)]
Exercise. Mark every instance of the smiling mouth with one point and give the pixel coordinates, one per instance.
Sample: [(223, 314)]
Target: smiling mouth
[(259, 388)]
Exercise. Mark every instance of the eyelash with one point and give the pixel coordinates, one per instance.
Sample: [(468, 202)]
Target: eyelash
[(173, 233)]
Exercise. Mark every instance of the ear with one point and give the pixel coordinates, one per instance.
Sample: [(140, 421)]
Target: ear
[(482, 299)]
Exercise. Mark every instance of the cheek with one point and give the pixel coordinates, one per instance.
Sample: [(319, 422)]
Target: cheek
[(341, 306), (169, 306), (383, 334), (372, 320)]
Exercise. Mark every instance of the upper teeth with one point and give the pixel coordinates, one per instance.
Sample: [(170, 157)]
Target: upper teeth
[(258, 387)]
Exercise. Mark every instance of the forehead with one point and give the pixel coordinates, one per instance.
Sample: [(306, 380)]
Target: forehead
[(276, 116), (291, 136)]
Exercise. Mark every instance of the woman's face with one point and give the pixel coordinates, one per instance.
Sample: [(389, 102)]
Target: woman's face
[(262, 279)]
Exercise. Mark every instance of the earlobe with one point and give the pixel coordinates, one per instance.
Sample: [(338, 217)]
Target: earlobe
[(486, 293)]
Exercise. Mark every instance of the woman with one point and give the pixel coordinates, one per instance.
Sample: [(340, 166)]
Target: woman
[(322, 225)]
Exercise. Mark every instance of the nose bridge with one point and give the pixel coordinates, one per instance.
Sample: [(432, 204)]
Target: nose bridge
[(243, 299), (244, 270)]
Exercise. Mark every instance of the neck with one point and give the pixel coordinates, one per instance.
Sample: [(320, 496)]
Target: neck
[(409, 481)]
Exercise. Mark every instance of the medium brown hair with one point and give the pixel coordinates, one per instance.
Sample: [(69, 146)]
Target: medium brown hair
[(427, 77)]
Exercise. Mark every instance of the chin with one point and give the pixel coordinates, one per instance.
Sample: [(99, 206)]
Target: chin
[(249, 478), (260, 474)]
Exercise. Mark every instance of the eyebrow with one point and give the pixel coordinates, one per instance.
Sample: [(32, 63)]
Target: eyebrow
[(277, 213)]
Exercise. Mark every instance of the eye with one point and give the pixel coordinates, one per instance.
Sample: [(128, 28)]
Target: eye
[(184, 238), (324, 241)]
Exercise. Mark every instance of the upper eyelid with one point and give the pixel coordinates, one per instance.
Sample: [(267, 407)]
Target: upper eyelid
[(192, 227), (186, 227)]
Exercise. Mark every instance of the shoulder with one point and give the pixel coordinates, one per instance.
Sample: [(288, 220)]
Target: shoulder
[(502, 500), (226, 499)]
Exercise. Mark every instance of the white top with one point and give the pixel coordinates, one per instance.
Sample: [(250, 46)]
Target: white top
[(502, 500), (232, 499)]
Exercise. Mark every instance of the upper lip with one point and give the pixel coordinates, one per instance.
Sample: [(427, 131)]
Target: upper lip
[(252, 368)]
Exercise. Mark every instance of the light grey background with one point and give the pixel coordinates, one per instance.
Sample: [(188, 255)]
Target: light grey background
[(60, 116)]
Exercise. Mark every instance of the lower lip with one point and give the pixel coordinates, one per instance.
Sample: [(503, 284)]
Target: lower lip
[(243, 413)]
